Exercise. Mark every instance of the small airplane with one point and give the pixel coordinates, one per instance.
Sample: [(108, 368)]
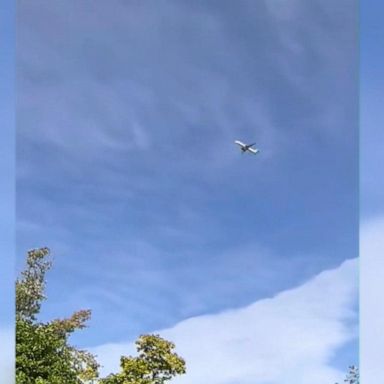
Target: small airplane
[(247, 147)]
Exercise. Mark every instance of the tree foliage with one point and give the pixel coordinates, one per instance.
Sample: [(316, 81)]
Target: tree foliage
[(353, 376), (155, 364), (45, 356), (43, 353), (30, 287)]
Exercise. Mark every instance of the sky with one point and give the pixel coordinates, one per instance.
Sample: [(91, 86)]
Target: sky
[(127, 170), (371, 187), (7, 163), (7, 191), (371, 117)]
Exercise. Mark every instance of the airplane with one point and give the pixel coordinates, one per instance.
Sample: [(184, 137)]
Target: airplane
[(247, 147)]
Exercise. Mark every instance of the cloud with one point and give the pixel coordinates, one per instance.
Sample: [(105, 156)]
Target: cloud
[(7, 353), (371, 309), (158, 293), (289, 338)]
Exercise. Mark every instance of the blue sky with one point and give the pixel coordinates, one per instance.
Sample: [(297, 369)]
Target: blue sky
[(7, 161), (7, 190), (126, 166), (371, 132), (371, 187)]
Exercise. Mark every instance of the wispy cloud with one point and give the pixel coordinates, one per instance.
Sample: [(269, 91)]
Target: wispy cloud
[(159, 292), (290, 338), (86, 91)]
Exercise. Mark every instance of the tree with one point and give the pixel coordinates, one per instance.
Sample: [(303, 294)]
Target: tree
[(155, 364), (353, 376), (43, 353)]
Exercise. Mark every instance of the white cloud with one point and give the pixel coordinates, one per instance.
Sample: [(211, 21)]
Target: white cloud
[(371, 310), (7, 360), (290, 338)]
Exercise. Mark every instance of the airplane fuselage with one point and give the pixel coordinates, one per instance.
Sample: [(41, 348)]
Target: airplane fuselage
[(246, 147)]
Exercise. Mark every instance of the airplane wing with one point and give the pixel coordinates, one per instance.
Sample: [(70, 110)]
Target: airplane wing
[(254, 151), (239, 143)]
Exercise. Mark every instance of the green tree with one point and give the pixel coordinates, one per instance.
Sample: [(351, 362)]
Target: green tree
[(156, 363), (43, 353)]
